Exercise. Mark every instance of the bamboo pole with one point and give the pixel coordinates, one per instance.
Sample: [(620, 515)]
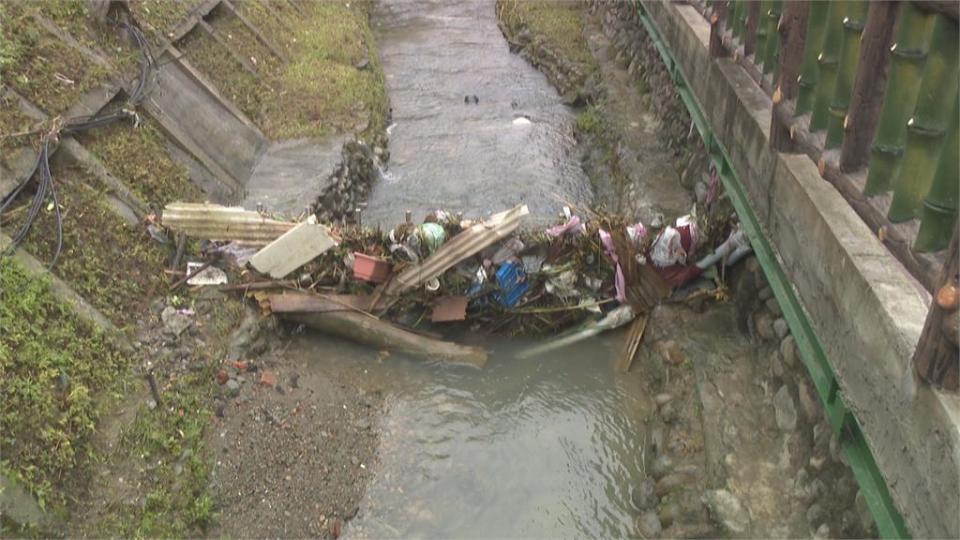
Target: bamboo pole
[(739, 17), (791, 34), (853, 24), (762, 32), (753, 17), (869, 85), (908, 56), (939, 214), (769, 50), (828, 61), (813, 44), (927, 129)]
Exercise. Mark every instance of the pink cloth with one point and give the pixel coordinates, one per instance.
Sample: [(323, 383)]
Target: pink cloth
[(620, 281), (572, 226)]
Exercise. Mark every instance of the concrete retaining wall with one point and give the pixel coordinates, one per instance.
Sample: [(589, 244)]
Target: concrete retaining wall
[(866, 310)]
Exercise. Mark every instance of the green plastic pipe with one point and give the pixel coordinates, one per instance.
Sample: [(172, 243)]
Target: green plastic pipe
[(829, 62), (908, 56), (939, 212), (849, 58), (810, 70), (769, 52), (927, 129)]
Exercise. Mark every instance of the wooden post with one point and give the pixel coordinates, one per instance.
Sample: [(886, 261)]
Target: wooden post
[(718, 25), (936, 358), (753, 16), (869, 86), (793, 30)]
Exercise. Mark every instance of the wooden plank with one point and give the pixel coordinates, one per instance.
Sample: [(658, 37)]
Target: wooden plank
[(319, 303), (632, 342), (293, 249)]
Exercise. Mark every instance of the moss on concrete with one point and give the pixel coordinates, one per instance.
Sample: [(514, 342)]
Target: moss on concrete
[(55, 368), (138, 157), (114, 265)]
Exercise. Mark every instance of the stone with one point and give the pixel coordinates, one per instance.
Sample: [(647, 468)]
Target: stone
[(776, 366), (781, 328), (774, 307), (662, 399), (788, 350), (175, 322), (726, 510), (823, 532), (763, 322), (669, 413), (765, 293), (809, 403), (671, 353), (268, 378), (222, 377), (662, 466), (815, 514), (645, 496), (863, 512), (648, 525), (233, 387), (784, 409), (673, 482)]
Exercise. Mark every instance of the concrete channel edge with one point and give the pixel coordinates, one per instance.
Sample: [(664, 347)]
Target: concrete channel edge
[(854, 312)]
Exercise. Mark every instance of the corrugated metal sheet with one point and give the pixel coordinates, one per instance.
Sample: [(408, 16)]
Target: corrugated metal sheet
[(463, 245), (216, 222)]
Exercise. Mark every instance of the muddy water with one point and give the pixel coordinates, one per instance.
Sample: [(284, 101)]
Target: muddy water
[(513, 145)]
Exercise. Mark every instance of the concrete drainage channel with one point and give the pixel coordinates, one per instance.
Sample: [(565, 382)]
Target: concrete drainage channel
[(714, 431)]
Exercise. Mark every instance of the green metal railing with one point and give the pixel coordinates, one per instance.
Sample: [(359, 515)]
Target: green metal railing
[(846, 427)]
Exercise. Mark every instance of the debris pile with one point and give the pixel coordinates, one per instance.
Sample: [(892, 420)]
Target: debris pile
[(380, 287)]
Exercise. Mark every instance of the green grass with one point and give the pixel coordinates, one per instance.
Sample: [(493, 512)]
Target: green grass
[(159, 16), (557, 22), (113, 264), (139, 159), (50, 74), (53, 367)]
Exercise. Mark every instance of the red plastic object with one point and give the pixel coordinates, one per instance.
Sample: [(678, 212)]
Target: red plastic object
[(370, 268)]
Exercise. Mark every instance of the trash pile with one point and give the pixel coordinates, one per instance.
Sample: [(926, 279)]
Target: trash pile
[(597, 271)]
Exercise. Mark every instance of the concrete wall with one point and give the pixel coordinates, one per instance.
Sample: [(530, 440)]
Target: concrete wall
[(866, 310)]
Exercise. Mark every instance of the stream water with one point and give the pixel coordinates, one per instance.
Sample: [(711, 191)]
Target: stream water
[(550, 446)]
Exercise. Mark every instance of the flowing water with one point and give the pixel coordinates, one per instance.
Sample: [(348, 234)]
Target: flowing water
[(551, 446), (513, 145)]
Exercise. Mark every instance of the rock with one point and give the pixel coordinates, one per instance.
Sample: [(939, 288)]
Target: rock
[(846, 489), (645, 496), (785, 410), (662, 399), (765, 293), (222, 377), (673, 482), (763, 322), (669, 413), (776, 366), (175, 322), (662, 466), (817, 462), (781, 328), (823, 532), (863, 512), (233, 387), (671, 353), (774, 307), (809, 404), (268, 378), (815, 515), (788, 350), (726, 510), (362, 64), (648, 525)]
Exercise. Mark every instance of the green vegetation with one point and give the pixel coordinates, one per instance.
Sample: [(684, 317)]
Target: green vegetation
[(590, 120), (238, 36), (269, 25), (112, 264), (159, 16), (38, 65), (138, 158), (53, 367), (178, 501), (333, 83), (557, 23)]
